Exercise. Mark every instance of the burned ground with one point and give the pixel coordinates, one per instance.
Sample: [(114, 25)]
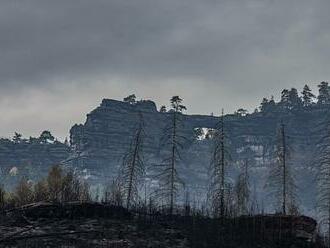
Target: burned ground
[(97, 225)]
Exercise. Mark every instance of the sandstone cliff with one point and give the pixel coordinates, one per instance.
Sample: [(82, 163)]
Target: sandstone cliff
[(31, 159), (99, 144)]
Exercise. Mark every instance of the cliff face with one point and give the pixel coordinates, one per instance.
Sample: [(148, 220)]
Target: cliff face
[(99, 145), (29, 159)]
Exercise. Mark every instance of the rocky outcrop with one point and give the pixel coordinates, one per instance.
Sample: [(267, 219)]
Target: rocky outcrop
[(99, 144), (31, 159)]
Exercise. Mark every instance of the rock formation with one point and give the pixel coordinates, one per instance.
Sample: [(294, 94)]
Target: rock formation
[(99, 145), (28, 158)]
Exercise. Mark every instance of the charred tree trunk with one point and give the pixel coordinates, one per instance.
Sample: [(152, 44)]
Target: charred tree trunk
[(173, 164), (133, 168), (284, 169)]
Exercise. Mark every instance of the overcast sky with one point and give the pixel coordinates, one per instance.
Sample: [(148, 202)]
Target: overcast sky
[(59, 58)]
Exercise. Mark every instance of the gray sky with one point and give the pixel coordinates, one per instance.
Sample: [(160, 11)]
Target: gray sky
[(58, 59)]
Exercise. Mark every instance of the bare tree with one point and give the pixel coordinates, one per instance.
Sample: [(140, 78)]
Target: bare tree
[(41, 191), (133, 169), (2, 198), (113, 193), (55, 183), (84, 192), (242, 190), (23, 192), (219, 186), (73, 189), (323, 181), (64, 186), (281, 182), (173, 143)]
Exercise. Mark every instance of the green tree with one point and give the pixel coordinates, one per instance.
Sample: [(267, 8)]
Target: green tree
[(307, 96), (46, 136), (294, 99), (241, 112), (162, 109), (285, 99), (324, 96), (263, 105), (131, 99), (267, 105), (17, 138)]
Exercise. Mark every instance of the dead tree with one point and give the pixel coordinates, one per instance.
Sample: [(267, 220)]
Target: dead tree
[(23, 192), (113, 193), (219, 186), (2, 198), (323, 181), (173, 139), (281, 182), (133, 169), (242, 190)]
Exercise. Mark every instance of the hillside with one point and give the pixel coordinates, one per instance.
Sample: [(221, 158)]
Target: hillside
[(98, 146), (87, 224)]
